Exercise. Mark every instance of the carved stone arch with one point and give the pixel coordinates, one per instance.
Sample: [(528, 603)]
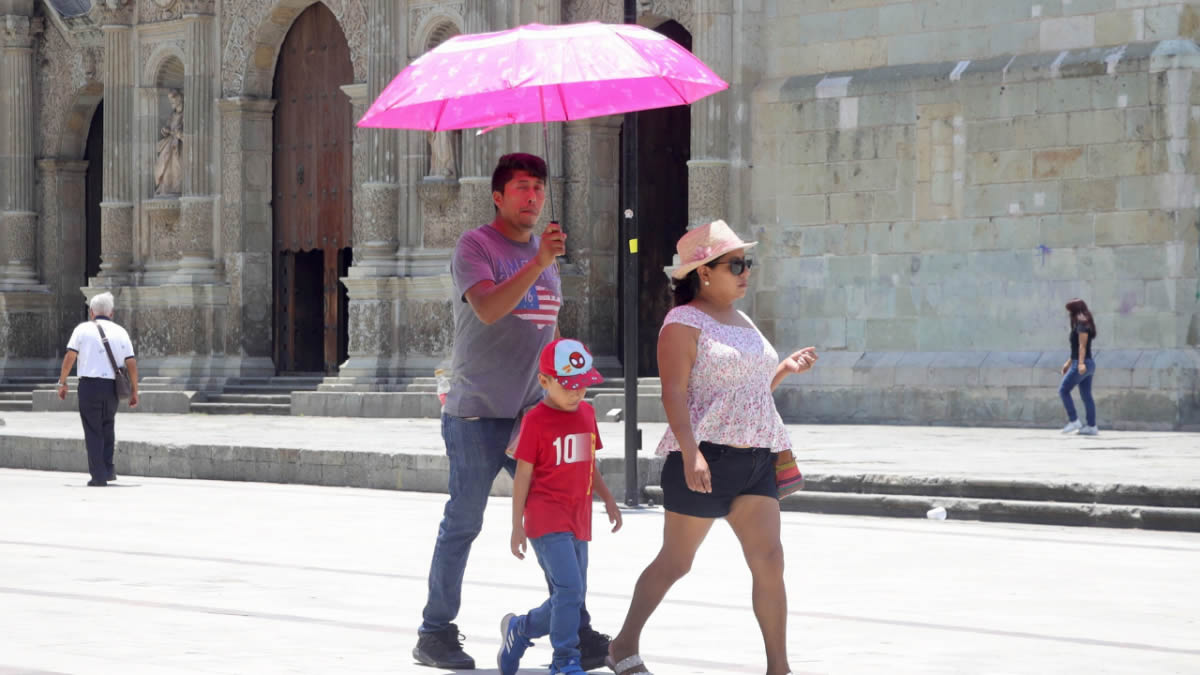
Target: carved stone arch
[(654, 13), (74, 134), (255, 34), (434, 29), (164, 66)]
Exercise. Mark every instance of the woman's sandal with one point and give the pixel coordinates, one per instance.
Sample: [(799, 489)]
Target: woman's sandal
[(626, 664)]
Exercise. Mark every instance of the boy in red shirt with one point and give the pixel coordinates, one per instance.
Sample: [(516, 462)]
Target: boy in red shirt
[(552, 504)]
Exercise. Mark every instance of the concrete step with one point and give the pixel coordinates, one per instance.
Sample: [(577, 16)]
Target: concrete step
[(1024, 490), (25, 405), (242, 408), (16, 396), (282, 399), (994, 510), (265, 389)]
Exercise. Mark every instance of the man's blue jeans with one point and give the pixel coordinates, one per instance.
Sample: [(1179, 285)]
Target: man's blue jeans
[(1069, 381), (475, 448), (564, 559)]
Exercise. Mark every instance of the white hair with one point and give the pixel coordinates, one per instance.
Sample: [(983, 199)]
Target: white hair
[(102, 304)]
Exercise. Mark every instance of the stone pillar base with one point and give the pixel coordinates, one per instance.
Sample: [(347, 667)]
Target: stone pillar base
[(116, 243), (400, 328), (375, 229), (196, 264), (18, 249), (26, 319), (178, 331), (708, 191)]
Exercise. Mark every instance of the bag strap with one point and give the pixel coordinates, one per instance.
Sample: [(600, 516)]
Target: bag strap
[(112, 360)]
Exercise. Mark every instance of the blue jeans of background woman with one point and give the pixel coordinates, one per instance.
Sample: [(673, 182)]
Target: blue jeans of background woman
[(1084, 382)]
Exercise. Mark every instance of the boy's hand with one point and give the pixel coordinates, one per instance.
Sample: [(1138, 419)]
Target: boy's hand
[(518, 542), (614, 514)]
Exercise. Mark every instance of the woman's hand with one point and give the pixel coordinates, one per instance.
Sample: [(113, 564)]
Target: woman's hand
[(696, 472), (614, 513), (1066, 367), (1082, 368), (800, 361)]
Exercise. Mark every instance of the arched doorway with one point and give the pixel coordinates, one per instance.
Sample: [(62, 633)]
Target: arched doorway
[(93, 154), (664, 148), (311, 194)]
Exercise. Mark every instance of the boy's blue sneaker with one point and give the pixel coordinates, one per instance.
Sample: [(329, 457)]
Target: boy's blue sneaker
[(512, 645), (571, 666)]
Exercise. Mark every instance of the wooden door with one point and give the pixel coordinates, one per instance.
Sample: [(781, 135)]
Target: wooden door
[(311, 193), (664, 148)]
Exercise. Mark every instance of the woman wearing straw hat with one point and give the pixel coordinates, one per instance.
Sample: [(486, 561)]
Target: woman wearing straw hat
[(724, 440)]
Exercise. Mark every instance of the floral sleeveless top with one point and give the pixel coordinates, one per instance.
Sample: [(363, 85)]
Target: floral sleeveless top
[(729, 390)]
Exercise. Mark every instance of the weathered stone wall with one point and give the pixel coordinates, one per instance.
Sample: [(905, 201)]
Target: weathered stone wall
[(823, 36), (924, 224)]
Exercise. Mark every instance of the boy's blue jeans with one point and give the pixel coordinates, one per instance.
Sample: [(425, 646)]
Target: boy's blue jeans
[(564, 559), (476, 452), (1069, 382)]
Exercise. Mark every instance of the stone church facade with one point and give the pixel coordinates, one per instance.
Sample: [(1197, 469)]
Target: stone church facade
[(931, 181)]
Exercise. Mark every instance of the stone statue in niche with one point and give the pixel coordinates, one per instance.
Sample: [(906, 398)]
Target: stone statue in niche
[(168, 170), (442, 162)]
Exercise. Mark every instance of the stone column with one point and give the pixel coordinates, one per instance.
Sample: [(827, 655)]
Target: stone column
[(196, 206), (708, 169), (476, 154), (116, 207), (592, 163), (246, 231), (380, 202), (63, 244), (18, 223)]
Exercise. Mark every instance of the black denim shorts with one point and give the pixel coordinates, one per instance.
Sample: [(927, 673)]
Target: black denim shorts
[(735, 472)]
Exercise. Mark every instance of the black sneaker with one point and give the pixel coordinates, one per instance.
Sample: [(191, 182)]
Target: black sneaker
[(443, 649), (593, 648)]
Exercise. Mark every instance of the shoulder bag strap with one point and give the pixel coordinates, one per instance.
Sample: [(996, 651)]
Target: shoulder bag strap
[(111, 359)]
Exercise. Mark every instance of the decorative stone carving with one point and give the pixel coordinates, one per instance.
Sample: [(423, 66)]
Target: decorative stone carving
[(613, 11), (443, 155), (609, 11), (423, 20), (157, 11), (253, 30), (168, 168)]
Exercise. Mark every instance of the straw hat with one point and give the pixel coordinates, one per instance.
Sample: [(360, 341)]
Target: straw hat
[(705, 244)]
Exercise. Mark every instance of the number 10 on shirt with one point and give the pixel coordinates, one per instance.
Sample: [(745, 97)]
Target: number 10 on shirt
[(573, 448)]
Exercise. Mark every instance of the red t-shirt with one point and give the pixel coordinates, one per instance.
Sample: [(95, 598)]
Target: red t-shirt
[(561, 446)]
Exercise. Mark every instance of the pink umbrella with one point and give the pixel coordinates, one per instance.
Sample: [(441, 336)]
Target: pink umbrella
[(539, 73)]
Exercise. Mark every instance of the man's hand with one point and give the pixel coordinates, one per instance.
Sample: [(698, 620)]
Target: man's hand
[(552, 245), (62, 391), (614, 513), (133, 399), (518, 542)]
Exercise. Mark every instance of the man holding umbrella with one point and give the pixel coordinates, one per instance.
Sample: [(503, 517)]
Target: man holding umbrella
[(507, 297)]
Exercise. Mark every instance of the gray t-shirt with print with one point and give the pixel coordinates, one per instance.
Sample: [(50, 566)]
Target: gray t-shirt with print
[(494, 371)]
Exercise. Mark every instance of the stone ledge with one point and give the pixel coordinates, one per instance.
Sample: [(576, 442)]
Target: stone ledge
[(177, 402), (417, 472), (1135, 57)]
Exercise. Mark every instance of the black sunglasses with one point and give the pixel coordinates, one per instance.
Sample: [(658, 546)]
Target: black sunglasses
[(736, 265)]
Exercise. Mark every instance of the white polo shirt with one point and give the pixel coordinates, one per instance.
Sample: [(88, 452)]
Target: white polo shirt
[(93, 360)]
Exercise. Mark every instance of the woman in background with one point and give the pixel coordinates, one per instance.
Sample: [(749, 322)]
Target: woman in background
[(1080, 369)]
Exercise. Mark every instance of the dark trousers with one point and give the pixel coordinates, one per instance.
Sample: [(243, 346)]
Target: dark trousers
[(98, 410)]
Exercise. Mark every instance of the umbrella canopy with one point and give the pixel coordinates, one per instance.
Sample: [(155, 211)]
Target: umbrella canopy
[(539, 73)]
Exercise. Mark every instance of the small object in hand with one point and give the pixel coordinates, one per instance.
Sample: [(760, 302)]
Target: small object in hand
[(788, 478)]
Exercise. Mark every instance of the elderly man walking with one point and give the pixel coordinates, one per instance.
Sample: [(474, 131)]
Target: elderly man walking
[(97, 383)]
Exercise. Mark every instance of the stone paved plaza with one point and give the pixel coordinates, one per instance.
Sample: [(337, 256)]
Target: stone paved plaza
[(167, 576)]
